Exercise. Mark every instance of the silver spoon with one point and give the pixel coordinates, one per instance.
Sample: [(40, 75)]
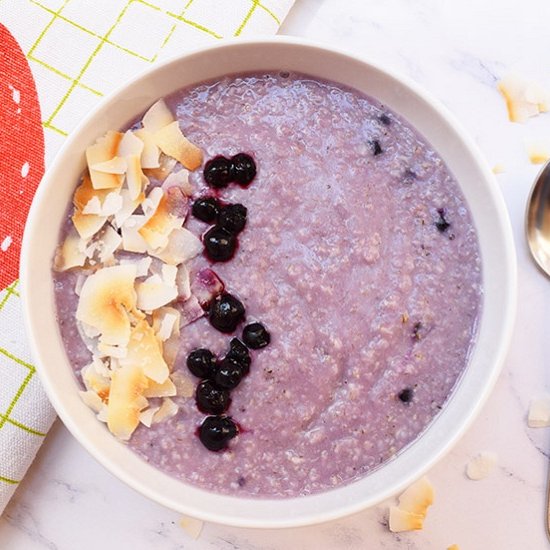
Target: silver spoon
[(537, 220), (537, 229)]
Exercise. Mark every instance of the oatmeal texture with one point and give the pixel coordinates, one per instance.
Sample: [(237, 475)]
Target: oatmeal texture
[(360, 257)]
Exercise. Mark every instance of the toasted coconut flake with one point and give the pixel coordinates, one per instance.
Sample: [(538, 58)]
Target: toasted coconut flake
[(190, 311), (401, 520), (173, 143), (539, 412), (116, 352), (93, 206), (183, 283), (206, 286), (116, 165), (154, 389), (170, 349), (168, 409), (523, 98), (79, 282), (481, 465), (96, 380), (132, 241), (160, 225), (158, 116), (182, 246), (185, 386), (191, 526), (177, 202), (85, 192), (145, 351), (169, 273), (106, 300), (126, 400), (103, 150), (177, 179), (135, 178), (165, 168), (129, 206), (92, 400), (538, 150), (103, 414), (87, 225), (112, 203), (166, 322), (70, 253), (110, 242), (88, 333), (418, 497), (146, 416), (169, 322), (154, 293), (93, 249), (130, 145), (150, 153), (142, 264), (151, 203)]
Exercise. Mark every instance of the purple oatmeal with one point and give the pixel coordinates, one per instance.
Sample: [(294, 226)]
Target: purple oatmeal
[(358, 254)]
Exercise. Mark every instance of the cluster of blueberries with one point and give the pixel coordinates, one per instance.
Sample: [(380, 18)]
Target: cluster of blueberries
[(225, 312), (218, 377), (220, 241)]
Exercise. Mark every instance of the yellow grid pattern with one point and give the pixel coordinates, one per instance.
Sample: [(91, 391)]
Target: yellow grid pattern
[(175, 18), (21, 372)]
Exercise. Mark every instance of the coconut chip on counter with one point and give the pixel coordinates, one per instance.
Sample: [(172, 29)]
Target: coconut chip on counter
[(412, 507), (539, 412), (131, 247), (523, 98), (481, 465), (193, 527), (538, 150)]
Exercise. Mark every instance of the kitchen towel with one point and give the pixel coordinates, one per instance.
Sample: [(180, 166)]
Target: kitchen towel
[(58, 58)]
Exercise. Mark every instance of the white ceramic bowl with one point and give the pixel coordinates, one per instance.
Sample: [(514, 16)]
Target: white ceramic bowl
[(400, 95)]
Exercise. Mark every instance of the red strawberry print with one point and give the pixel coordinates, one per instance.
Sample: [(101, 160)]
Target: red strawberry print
[(21, 151)]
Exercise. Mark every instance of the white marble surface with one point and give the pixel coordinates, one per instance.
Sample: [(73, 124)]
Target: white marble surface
[(457, 51)]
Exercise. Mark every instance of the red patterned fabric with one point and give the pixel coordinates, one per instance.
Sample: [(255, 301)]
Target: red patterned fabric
[(21, 151)]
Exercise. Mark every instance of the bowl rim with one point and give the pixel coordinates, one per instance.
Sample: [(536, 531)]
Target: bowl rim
[(294, 515)]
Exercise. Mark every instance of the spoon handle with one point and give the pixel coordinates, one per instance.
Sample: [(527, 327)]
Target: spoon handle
[(548, 505)]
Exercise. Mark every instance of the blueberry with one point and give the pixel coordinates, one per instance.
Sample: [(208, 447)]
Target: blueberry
[(255, 336), (238, 353), (418, 331), (442, 224), (225, 312), (219, 243), (201, 363), (206, 210), (376, 147), (233, 218), (409, 176), (384, 119), (211, 399), (217, 172), (406, 395), (216, 431), (228, 374), (243, 168)]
